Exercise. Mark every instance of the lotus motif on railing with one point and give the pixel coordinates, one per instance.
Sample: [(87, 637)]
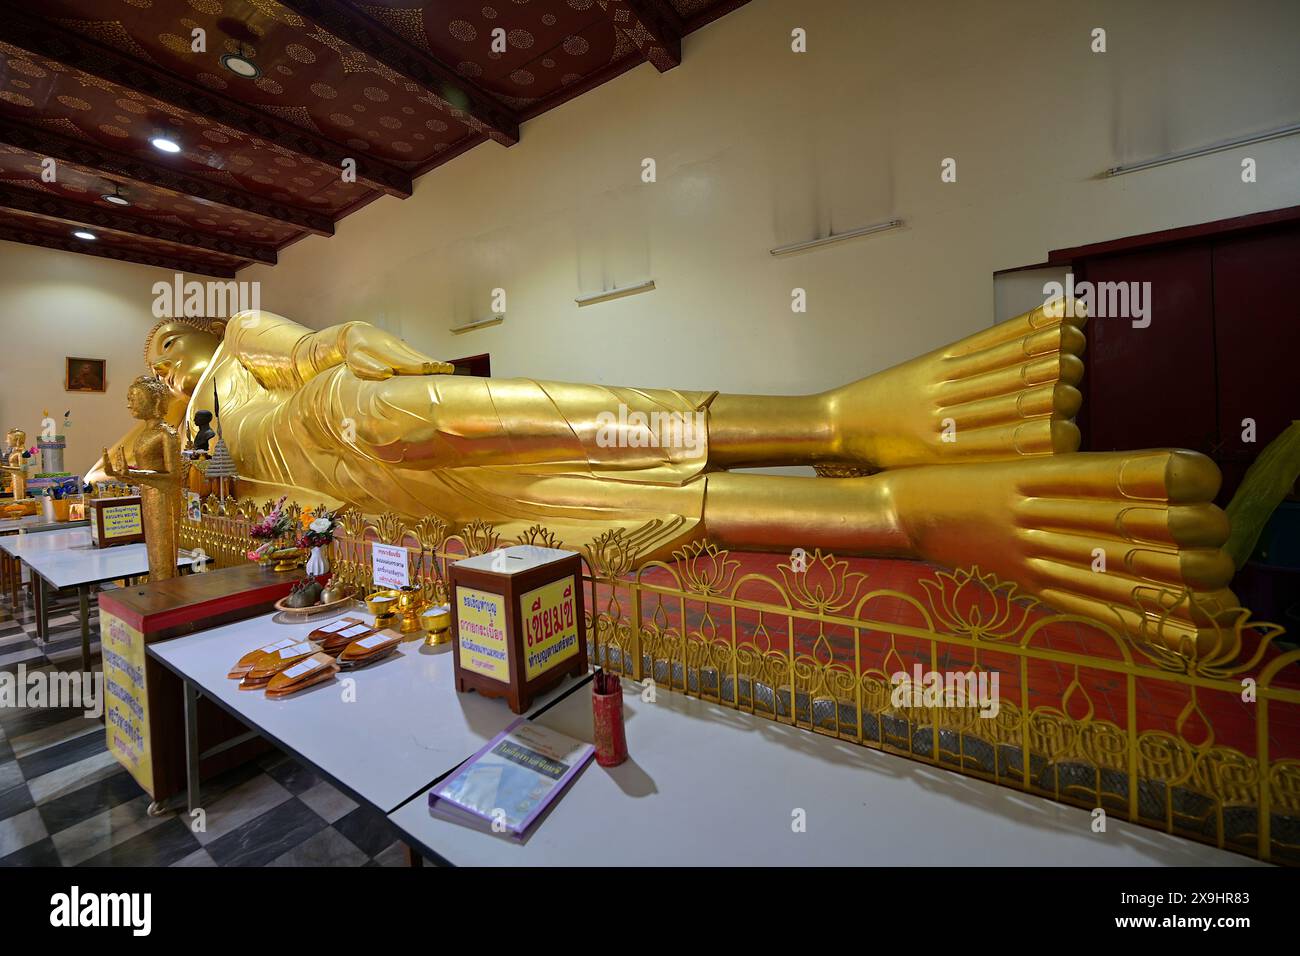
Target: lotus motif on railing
[(705, 569), (976, 605), (821, 583)]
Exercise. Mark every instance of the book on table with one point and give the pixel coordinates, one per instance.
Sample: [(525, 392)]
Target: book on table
[(506, 786)]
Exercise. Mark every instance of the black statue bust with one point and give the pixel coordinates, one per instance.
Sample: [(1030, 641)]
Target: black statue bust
[(203, 422)]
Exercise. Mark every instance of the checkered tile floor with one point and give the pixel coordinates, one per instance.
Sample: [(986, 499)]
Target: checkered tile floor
[(64, 800)]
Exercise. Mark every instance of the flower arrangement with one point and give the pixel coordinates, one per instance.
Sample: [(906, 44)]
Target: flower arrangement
[(320, 532), (276, 525)]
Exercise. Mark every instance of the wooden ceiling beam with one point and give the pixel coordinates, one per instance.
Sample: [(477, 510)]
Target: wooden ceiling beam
[(82, 214), (655, 29), (465, 99), (73, 50), (31, 237), (45, 142)]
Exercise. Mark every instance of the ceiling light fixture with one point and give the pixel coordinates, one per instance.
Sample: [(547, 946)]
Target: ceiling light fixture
[(241, 65), (116, 197), (82, 234), (165, 144)]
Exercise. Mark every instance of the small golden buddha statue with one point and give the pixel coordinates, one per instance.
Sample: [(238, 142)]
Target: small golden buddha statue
[(964, 456), (16, 466), (158, 471)]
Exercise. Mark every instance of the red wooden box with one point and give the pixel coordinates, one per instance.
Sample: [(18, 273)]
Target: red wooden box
[(143, 704), (517, 622)]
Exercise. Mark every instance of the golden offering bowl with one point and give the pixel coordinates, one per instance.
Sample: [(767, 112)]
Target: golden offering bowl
[(288, 559), (436, 622), (382, 603)]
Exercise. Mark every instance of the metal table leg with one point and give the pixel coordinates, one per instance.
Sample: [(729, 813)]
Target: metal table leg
[(83, 596), (191, 694), (38, 595)]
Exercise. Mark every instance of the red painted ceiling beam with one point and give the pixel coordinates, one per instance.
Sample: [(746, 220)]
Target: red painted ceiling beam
[(65, 210), (464, 99), (31, 237), (655, 29), (81, 152)]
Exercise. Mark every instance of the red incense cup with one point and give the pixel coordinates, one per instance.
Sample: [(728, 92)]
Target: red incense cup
[(607, 719)]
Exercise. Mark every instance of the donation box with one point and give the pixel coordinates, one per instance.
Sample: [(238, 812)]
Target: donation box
[(115, 521), (517, 622)]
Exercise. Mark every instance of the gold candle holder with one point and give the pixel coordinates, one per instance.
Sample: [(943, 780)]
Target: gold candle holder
[(410, 601)]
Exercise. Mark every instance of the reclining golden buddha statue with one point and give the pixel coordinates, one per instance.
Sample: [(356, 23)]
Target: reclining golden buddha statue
[(964, 456)]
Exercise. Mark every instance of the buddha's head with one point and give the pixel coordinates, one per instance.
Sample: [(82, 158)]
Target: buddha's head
[(16, 438), (179, 351), (147, 398)]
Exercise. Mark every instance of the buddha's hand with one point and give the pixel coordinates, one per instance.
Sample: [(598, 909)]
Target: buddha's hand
[(375, 355)]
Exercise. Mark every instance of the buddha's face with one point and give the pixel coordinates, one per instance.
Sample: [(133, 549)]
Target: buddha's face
[(179, 354), (16, 438), (146, 403)]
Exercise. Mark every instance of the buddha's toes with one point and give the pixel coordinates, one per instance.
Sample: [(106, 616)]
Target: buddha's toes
[(1005, 392), (1128, 538)]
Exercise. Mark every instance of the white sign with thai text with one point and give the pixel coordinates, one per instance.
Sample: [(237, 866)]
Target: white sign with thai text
[(391, 568)]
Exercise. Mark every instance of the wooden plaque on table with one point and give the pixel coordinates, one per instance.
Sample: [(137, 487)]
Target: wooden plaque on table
[(517, 622), (115, 521)]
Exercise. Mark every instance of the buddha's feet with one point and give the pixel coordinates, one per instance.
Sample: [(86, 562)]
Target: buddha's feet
[(1005, 392), (1113, 536)]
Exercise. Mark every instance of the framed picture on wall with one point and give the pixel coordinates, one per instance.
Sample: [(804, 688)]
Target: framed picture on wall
[(85, 375)]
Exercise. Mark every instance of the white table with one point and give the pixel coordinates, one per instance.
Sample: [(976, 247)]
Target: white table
[(36, 523), (11, 567), (405, 728), (707, 785), (68, 558), (31, 540)]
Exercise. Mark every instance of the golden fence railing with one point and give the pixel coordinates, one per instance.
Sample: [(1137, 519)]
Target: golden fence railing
[(1205, 747)]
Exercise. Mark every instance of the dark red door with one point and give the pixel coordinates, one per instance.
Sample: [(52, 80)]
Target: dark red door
[(1257, 335), (1154, 387)]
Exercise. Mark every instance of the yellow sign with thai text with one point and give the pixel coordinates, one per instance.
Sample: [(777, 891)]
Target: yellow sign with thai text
[(126, 698), (550, 626), (122, 520), (481, 633)]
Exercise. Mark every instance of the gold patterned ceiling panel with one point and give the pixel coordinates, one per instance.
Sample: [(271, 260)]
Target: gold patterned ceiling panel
[(286, 115)]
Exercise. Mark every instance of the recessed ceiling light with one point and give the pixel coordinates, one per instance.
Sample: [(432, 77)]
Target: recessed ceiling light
[(82, 234), (116, 197), (165, 144), (241, 65)]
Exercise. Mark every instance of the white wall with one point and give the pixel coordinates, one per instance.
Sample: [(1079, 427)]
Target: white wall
[(1015, 293), (55, 304), (757, 146)]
